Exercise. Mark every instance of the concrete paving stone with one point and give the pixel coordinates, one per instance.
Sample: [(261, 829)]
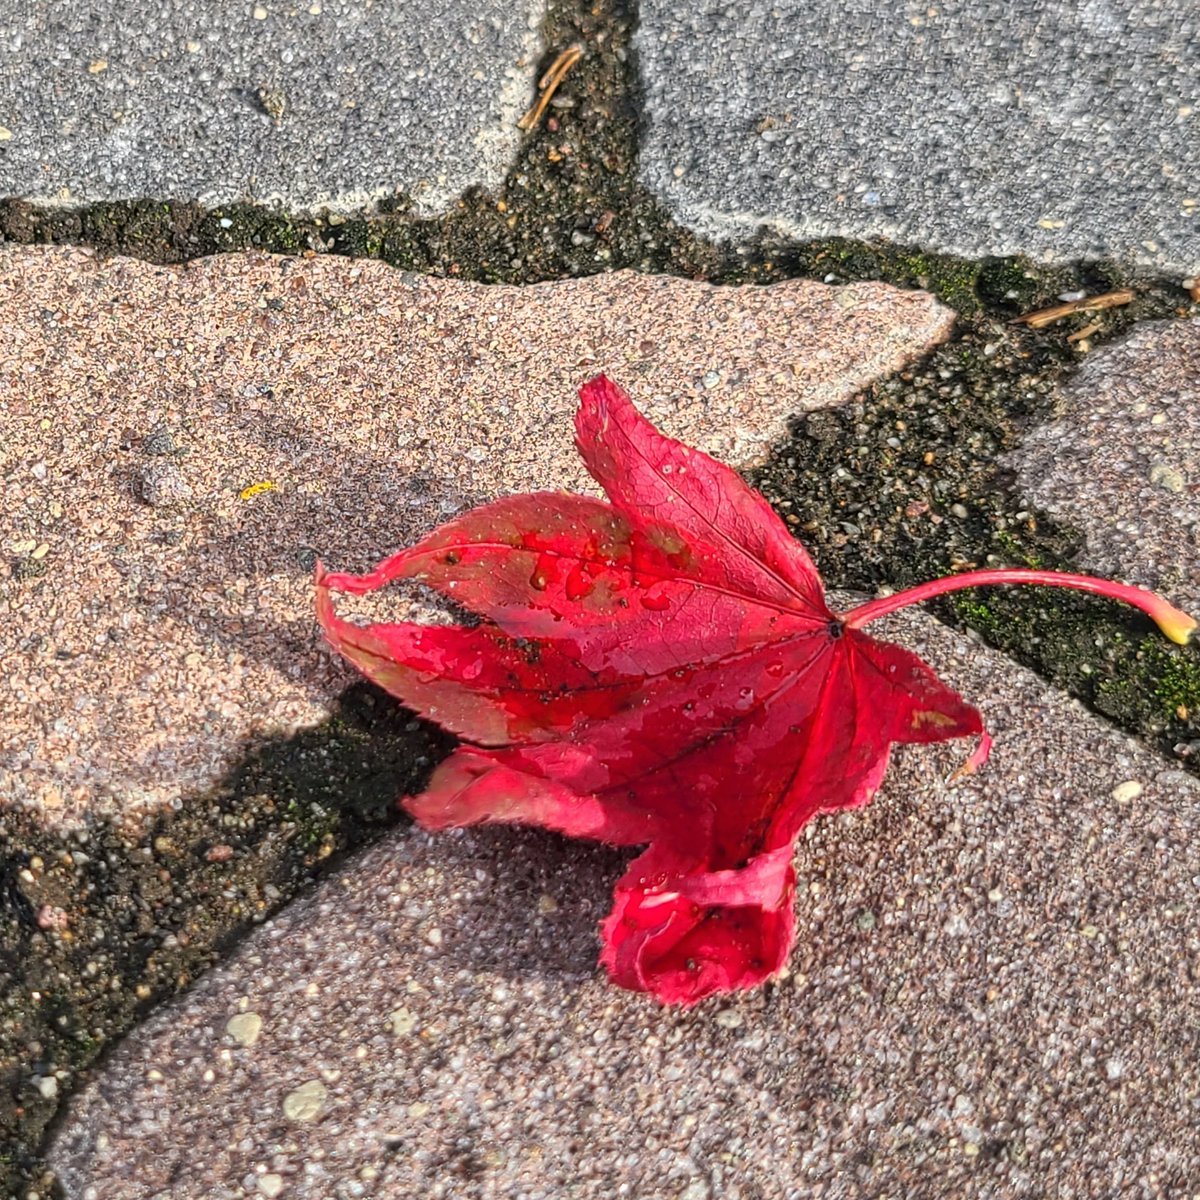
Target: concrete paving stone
[(994, 993), (332, 102), (1056, 128), (1122, 462), (177, 443)]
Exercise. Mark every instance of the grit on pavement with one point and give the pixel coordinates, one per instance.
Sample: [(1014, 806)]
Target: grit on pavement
[(995, 990)]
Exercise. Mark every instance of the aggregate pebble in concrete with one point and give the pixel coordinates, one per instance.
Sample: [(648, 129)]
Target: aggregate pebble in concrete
[(1122, 463), (1059, 128), (995, 992), (329, 102), (178, 443)]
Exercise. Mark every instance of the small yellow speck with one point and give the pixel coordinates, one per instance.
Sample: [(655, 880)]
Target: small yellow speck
[(256, 489), (260, 13), (97, 65), (5, 134), (314, 10), (1050, 223), (1089, 931), (42, 550), (193, 47)]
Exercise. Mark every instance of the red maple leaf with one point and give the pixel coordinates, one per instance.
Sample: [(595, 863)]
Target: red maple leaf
[(661, 670)]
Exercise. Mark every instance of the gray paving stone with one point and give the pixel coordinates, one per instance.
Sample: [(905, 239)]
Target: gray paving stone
[(309, 103), (994, 993), (1059, 128), (1122, 463)]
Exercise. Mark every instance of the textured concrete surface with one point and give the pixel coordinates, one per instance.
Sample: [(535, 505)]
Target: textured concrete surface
[(155, 596), (1061, 128), (1122, 463), (330, 102), (994, 993)]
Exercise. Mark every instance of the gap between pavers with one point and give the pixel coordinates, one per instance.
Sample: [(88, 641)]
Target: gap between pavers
[(179, 443), (993, 993)]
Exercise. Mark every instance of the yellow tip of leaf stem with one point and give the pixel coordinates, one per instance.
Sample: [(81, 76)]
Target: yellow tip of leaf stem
[(1178, 626)]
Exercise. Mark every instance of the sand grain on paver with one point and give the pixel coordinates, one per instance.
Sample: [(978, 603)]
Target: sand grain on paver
[(1018, 1018), (178, 444)]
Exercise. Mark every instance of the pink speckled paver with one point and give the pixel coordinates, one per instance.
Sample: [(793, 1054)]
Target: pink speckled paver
[(993, 996), (177, 443)]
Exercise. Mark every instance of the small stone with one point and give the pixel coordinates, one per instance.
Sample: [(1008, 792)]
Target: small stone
[(46, 1086), (1123, 793), (418, 1109), (273, 102), (959, 511), (260, 13), (403, 1021), (865, 920), (729, 1018), (305, 1102), (161, 485), (710, 379), (270, 1185), (244, 1028), (5, 134), (50, 916), (547, 904), (1165, 476)]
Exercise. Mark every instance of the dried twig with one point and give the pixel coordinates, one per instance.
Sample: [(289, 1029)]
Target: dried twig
[(1086, 331), (1047, 316), (548, 85)]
